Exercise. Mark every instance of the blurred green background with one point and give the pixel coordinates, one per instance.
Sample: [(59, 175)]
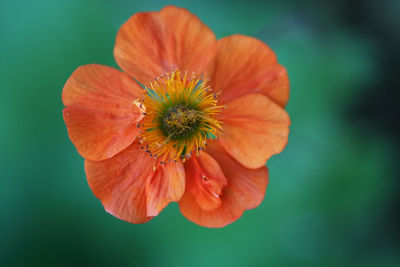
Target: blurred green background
[(333, 196)]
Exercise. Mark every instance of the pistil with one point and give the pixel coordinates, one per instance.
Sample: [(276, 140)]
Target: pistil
[(180, 115)]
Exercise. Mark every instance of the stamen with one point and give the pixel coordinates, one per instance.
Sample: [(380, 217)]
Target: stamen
[(180, 114)]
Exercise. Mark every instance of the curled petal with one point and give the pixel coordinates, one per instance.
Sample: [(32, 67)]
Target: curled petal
[(255, 128), (166, 185), (245, 65), (152, 43), (205, 180), (101, 111), (129, 187), (245, 189)]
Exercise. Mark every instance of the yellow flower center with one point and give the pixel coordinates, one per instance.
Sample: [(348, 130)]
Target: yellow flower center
[(180, 115)]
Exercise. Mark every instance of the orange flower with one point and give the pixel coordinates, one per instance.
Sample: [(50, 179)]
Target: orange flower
[(200, 132)]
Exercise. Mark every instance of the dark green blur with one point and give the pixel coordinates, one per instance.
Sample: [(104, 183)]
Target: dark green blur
[(333, 194)]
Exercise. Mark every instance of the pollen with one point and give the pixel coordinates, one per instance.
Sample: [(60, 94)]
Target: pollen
[(180, 114)]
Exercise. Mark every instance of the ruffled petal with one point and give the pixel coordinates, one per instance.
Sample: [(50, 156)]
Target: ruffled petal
[(130, 189), (246, 65), (245, 189), (166, 185), (152, 43), (255, 128), (101, 113), (205, 180)]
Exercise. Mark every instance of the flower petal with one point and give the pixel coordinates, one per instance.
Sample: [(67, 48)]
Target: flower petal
[(101, 114), (245, 190), (205, 180), (167, 184), (255, 128), (152, 43), (246, 65), (130, 189)]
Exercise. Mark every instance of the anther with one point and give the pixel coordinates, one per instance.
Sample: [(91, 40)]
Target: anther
[(179, 127)]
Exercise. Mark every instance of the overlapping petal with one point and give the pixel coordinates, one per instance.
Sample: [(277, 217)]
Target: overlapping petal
[(245, 65), (152, 43), (130, 189), (255, 128), (245, 189), (166, 185), (100, 113), (205, 180)]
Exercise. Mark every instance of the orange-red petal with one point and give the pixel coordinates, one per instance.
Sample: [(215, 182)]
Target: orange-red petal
[(205, 180), (130, 189), (245, 189), (152, 43), (246, 65), (166, 185), (101, 114), (255, 128)]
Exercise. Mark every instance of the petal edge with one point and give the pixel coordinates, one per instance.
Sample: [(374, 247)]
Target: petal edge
[(245, 190), (152, 43), (243, 65), (100, 112), (255, 128)]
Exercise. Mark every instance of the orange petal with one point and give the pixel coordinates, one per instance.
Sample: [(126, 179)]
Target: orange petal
[(166, 185), (246, 65), (130, 189), (245, 190), (255, 128), (152, 43), (101, 113), (205, 180)]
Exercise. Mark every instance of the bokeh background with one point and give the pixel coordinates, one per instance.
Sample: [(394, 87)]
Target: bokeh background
[(333, 197)]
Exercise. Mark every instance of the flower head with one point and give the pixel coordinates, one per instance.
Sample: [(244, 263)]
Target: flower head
[(199, 129), (181, 113)]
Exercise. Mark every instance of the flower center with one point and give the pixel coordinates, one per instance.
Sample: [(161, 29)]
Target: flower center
[(181, 114), (180, 122)]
